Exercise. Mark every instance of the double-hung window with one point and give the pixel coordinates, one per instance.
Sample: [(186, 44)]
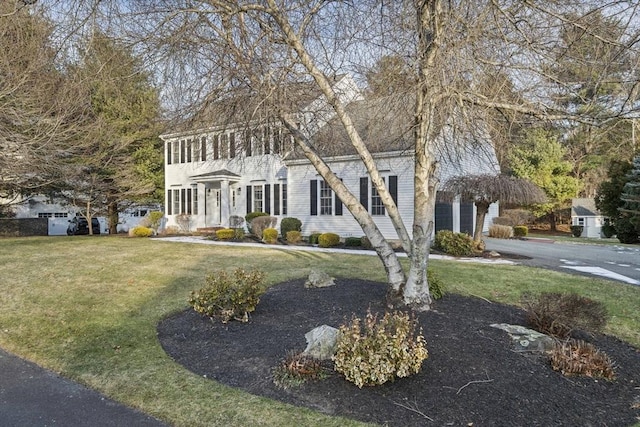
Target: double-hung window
[(326, 199)]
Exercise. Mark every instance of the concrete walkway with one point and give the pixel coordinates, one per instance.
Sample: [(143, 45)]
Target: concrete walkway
[(206, 241)]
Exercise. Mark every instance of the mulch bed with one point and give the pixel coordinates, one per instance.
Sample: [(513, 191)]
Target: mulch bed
[(472, 375)]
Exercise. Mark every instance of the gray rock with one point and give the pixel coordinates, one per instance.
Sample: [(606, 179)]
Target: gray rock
[(494, 254), (525, 339), (318, 279), (321, 342)]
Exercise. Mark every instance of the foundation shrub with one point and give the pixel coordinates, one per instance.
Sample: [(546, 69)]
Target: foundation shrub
[(456, 244), (296, 369), (141, 232), (328, 240), (261, 223), (577, 357), (353, 242), (373, 351), (290, 224), (251, 215), (236, 221), (500, 231), (559, 314), (238, 233), (293, 236), (270, 235), (225, 234), (313, 238), (576, 230), (608, 231), (229, 296), (152, 220), (520, 231)]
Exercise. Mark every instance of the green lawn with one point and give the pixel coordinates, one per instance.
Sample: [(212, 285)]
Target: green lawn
[(87, 307)]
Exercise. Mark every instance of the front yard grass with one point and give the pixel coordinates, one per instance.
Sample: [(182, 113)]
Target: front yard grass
[(87, 307)]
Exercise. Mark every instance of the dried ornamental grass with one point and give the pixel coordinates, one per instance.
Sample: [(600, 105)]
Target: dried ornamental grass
[(581, 358)]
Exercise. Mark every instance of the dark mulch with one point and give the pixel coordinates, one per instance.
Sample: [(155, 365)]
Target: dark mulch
[(471, 376)]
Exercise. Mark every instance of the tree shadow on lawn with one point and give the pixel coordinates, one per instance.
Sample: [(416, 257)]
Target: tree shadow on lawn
[(472, 375)]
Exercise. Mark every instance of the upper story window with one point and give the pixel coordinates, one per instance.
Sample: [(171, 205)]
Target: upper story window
[(175, 149)]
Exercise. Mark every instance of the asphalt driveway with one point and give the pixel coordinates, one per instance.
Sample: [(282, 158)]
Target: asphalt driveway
[(615, 262)]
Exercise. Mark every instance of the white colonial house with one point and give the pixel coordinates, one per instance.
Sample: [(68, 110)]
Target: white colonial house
[(220, 172)]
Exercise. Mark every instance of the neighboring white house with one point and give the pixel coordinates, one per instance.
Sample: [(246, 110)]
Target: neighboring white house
[(219, 172), (585, 214), (59, 215)]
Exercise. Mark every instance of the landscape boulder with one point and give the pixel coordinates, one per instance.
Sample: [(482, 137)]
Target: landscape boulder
[(318, 279), (322, 342), (525, 339)]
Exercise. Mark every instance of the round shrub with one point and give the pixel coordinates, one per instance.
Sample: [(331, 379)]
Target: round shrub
[(608, 231), (290, 224), (261, 223), (141, 232), (229, 296), (225, 234), (251, 215), (270, 235), (328, 240), (313, 238), (576, 230), (456, 244), (372, 352), (353, 242), (293, 236), (520, 231)]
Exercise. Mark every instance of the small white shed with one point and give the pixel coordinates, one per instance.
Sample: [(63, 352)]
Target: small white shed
[(585, 214)]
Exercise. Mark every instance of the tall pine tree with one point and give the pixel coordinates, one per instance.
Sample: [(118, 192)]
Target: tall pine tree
[(628, 227)]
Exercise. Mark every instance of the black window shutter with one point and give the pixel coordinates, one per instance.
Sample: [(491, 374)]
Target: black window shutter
[(169, 152), (313, 193), (364, 192), (276, 199), (203, 149), (393, 188), (169, 202), (267, 198), (249, 207), (338, 204)]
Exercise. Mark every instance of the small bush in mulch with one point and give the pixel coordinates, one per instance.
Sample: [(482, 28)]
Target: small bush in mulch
[(558, 314), (229, 296), (373, 351), (296, 369), (577, 357)]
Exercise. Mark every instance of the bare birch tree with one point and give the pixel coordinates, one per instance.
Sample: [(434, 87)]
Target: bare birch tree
[(210, 48)]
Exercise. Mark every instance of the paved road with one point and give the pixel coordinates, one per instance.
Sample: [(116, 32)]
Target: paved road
[(616, 262), (31, 396)]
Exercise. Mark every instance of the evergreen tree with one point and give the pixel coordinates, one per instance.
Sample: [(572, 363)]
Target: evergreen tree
[(628, 226), (120, 158), (540, 159)]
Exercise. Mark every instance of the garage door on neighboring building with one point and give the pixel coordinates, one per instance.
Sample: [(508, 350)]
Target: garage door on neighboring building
[(466, 218), (444, 216)]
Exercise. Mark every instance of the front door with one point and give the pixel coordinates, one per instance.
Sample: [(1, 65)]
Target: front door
[(215, 207)]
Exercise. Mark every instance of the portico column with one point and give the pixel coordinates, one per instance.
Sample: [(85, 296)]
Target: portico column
[(225, 205), (200, 217)]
